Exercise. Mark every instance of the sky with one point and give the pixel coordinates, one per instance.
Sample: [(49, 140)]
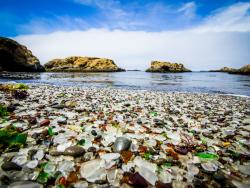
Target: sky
[(203, 35)]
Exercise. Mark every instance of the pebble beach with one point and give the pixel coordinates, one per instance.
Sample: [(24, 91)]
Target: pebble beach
[(104, 137)]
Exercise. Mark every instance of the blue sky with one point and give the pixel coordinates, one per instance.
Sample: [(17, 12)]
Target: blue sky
[(204, 34), (33, 16)]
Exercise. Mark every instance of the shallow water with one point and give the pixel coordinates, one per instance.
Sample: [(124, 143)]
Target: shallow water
[(205, 82)]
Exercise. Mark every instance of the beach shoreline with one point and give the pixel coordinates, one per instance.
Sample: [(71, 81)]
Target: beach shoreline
[(168, 138)]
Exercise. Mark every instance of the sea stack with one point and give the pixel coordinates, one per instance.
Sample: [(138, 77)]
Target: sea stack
[(165, 67), (15, 57), (82, 64)]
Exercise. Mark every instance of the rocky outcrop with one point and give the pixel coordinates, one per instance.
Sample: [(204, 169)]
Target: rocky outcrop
[(243, 70), (82, 64), (15, 57), (158, 66), (224, 69)]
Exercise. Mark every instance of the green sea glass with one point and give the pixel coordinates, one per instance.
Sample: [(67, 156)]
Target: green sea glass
[(50, 131), (207, 156), (43, 178), (81, 142), (147, 155), (153, 113)]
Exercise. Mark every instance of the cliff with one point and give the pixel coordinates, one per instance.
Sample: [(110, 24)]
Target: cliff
[(15, 57)]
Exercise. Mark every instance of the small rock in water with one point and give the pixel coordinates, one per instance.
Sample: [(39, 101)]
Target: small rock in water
[(121, 144), (74, 151), (8, 166)]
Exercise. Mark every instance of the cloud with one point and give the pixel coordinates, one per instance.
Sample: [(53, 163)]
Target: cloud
[(46, 25), (103, 4), (135, 49), (188, 9), (222, 40), (233, 18)]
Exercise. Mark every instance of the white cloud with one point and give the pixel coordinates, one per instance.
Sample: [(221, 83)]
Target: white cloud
[(135, 49), (223, 40), (233, 18), (188, 9)]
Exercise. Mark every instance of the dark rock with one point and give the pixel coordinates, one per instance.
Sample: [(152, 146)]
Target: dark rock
[(159, 184), (181, 150), (74, 151), (32, 120), (92, 149), (8, 166), (219, 176), (5, 180), (15, 57), (137, 180), (20, 94), (44, 122), (11, 108), (121, 144), (94, 133)]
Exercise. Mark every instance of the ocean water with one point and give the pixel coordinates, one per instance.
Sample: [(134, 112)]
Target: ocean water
[(205, 82)]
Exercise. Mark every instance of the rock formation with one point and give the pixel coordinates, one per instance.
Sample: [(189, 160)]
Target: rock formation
[(224, 69), (158, 66), (15, 57), (243, 70), (82, 64)]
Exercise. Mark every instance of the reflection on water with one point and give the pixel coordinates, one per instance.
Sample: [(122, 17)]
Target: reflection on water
[(208, 82)]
